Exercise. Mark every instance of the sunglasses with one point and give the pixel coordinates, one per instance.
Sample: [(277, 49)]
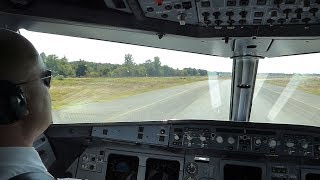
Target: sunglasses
[(46, 79)]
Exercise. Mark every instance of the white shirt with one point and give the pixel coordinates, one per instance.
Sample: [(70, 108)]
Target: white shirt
[(18, 160)]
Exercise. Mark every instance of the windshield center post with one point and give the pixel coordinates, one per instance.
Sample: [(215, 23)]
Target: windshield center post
[(243, 82)]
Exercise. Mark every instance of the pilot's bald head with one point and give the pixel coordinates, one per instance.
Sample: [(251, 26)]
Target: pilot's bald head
[(19, 59), (20, 63)]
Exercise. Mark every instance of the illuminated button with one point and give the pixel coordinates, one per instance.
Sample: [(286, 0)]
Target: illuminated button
[(189, 137), (219, 139), (176, 137), (305, 153), (231, 140)]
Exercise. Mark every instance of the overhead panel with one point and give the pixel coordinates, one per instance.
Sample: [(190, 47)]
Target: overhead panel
[(233, 13), (184, 12)]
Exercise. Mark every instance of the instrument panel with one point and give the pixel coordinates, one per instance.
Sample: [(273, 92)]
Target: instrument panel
[(269, 143), (188, 150)]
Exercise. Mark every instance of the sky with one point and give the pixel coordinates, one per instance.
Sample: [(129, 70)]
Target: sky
[(109, 52)]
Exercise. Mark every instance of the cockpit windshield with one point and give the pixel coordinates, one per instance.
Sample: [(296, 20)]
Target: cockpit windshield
[(98, 81), (287, 90)]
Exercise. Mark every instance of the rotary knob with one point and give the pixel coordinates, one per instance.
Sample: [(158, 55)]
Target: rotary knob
[(202, 138), (272, 143), (85, 158), (192, 168), (219, 139), (257, 142), (176, 137), (231, 140)]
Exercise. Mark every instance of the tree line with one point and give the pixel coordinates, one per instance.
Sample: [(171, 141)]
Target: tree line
[(150, 68)]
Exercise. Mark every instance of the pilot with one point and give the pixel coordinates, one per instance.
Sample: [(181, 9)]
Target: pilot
[(25, 107)]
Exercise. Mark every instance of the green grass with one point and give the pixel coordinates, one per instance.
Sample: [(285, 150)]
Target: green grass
[(307, 84), (75, 91)]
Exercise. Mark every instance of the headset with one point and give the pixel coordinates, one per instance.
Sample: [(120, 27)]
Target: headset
[(13, 104)]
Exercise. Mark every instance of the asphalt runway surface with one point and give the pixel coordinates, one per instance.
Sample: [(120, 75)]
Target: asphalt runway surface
[(205, 100)]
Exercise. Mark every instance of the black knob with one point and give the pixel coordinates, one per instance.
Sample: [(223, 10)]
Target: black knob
[(216, 15), (231, 22), (230, 13), (168, 7), (299, 12), (150, 9), (218, 22), (206, 20), (243, 14), (287, 11), (205, 14), (306, 20), (177, 6), (281, 21), (242, 21), (270, 21), (314, 11)]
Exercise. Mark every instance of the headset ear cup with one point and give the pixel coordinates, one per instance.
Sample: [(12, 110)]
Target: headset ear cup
[(21, 106), (13, 105), (17, 106)]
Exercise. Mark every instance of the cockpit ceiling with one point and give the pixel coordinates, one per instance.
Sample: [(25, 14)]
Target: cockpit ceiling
[(105, 20)]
